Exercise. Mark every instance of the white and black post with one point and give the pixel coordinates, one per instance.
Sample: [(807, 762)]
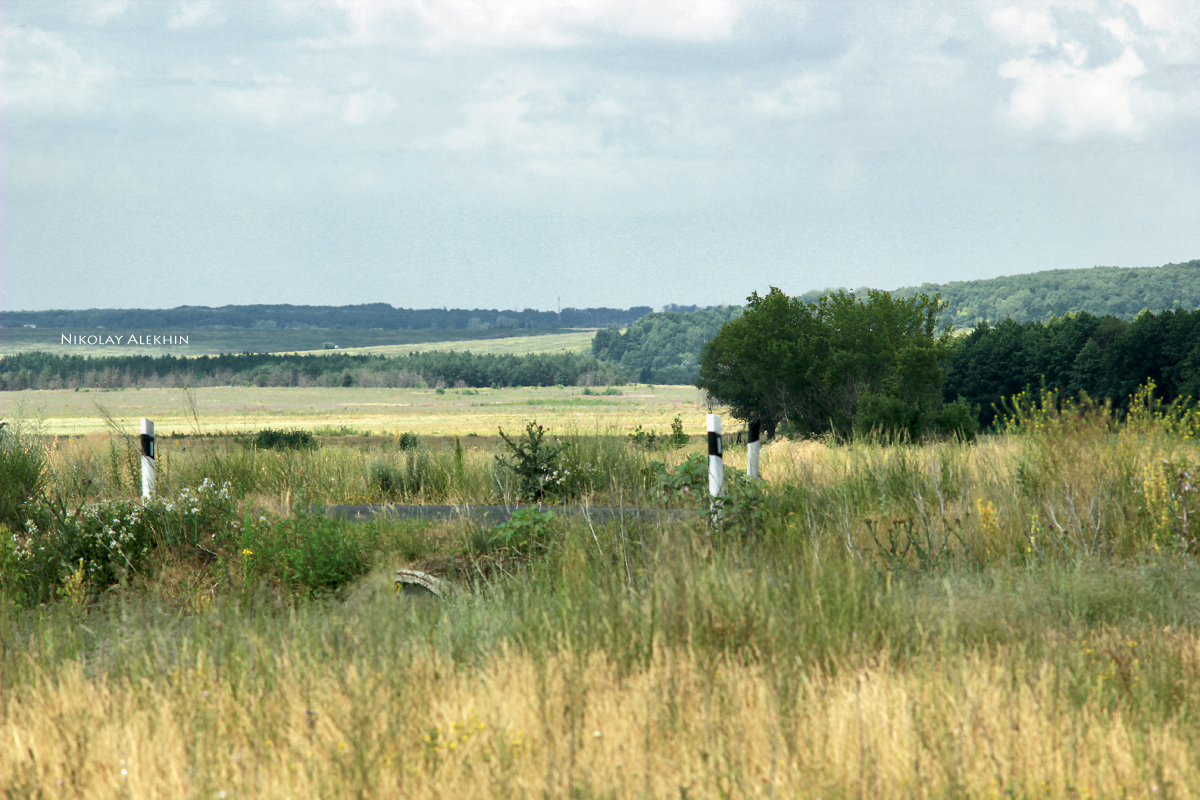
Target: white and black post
[(148, 467), (716, 464), (752, 450)]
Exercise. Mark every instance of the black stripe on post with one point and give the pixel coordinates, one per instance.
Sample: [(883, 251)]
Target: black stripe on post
[(147, 445), (755, 430), (714, 443)]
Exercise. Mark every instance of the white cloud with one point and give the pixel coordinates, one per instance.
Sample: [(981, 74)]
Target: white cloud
[(102, 11), (43, 74), (1087, 66), (1074, 100), (505, 123), (360, 108), (1025, 26), (807, 95), (279, 100), (548, 23), (192, 15), (532, 121), (1174, 26)]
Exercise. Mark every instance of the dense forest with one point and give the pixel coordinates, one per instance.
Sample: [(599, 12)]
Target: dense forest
[(851, 364), (665, 347), (1104, 357), (1096, 338), (662, 347), (1115, 291), (40, 370), (844, 365), (359, 317)]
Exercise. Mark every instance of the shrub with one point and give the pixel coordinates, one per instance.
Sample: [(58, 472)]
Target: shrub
[(652, 440), (687, 482), (100, 545), (385, 478), (22, 475), (200, 519), (526, 530), (407, 440), (959, 420), (534, 462), (678, 438), (309, 555), (276, 439), (647, 440)]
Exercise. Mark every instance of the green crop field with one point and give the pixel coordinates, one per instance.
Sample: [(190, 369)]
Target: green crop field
[(240, 340)]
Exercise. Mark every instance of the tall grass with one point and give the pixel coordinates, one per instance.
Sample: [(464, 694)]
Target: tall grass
[(382, 471), (1013, 618)]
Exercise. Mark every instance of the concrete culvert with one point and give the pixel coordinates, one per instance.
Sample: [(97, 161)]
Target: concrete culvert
[(413, 583)]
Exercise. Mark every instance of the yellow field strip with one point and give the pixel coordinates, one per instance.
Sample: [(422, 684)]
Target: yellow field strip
[(575, 342), (423, 411)]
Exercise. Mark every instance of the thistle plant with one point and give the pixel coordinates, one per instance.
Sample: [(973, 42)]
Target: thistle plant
[(534, 462)]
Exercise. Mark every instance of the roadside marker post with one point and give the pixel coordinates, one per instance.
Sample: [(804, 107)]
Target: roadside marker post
[(148, 466), (752, 450), (716, 464)]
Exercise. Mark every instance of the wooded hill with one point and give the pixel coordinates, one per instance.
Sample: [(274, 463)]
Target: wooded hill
[(1116, 291), (287, 317), (664, 347)]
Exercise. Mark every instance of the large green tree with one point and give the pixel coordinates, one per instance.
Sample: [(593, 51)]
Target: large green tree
[(839, 364)]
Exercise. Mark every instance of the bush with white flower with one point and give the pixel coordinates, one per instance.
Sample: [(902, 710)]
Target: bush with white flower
[(200, 518)]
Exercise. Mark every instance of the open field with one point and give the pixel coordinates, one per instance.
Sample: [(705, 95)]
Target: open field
[(570, 342), (240, 340), (423, 411), (1017, 617)]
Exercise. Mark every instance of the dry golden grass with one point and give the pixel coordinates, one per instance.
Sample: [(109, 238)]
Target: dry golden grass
[(1051, 652), (423, 411), (572, 342), (972, 726)]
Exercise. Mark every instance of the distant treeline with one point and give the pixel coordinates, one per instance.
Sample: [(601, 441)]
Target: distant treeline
[(1106, 357), (1115, 291), (40, 370), (359, 317), (663, 347)]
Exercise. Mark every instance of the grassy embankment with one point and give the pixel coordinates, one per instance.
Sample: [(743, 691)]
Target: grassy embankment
[(1013, 618)]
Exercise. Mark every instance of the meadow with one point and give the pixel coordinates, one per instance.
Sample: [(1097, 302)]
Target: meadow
[(533, 342), (427, 411), (1011, 617)]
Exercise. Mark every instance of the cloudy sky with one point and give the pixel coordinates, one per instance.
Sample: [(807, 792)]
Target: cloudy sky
[(526, 153)]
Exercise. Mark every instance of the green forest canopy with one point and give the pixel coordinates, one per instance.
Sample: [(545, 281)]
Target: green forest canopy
[(662, 347), (1117, 291), (841, 365), (665, 347), (847, 364), (366, 316)]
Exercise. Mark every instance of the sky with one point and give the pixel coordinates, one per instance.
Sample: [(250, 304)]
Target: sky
[(547, 153)]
